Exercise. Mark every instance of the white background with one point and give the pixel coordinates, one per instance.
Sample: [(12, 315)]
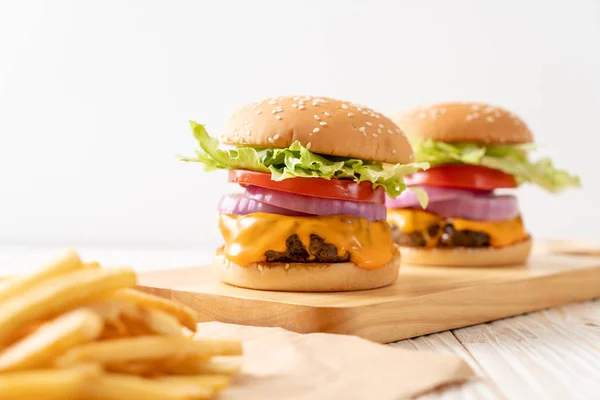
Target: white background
[(95, 97)]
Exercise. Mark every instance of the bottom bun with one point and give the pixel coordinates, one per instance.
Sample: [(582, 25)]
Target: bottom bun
[(467, 256), (305, 277)]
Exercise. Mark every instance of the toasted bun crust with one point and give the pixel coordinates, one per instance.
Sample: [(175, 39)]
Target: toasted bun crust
[(464, 122), (468, 257), (301, 277), (323, 125)]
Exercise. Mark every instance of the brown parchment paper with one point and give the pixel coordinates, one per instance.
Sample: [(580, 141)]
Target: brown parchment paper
[(279, 364)]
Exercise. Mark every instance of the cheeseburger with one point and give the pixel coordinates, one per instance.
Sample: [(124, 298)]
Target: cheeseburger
[(474, 150), (315, 173)]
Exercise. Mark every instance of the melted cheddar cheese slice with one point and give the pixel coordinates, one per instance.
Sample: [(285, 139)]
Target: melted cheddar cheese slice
[(248, 237), (502, 233)]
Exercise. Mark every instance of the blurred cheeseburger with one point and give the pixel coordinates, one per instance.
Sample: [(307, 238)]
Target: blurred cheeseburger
[(315, 173), (474, 150)]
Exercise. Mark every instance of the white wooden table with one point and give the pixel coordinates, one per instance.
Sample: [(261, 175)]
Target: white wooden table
[(551, 354)]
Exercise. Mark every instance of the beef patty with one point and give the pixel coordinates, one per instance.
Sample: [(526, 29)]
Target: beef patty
[(450, 237), (318, 251)]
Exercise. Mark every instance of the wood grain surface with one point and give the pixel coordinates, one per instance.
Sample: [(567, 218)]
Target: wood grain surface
[(422, 301), (550, 354)]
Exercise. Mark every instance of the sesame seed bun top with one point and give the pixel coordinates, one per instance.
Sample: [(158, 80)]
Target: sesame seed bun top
[(323, 125), (464, 122)]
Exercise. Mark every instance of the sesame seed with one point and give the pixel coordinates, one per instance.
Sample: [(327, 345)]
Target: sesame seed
[(322, 123), (469, 117), (325, 113), (309, 144), (364, 134), (271, 140), (260, 268), (287, 266), (345, 106), (295, 105), (259, 112), (368, 123), (246, 122), (393, 151), (317, 117), (379, 130), (359, 109), (276, 136), (350, 114), (278, 117), (301, 107), (362, 129), (374, 134), (398, 130), (390, 132), (272, 102), (315, 102), (376, 116), (316, 130), (277, 110), (380, 125), (490, 119), (365, 113)]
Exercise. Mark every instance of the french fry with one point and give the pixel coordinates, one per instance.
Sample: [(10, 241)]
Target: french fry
[(44, 384), (148, 348), (60, 294), (91, 264), (139, 319), (119, 387), (114, 330), (162, 323), (51, 340), (215, 382), (75, 331), (65, 262), (185, 315), (24, 332), (139, 368), (196, 366)]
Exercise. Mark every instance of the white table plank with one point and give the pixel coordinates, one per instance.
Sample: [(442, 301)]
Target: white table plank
[(551, 354), (445, 342)]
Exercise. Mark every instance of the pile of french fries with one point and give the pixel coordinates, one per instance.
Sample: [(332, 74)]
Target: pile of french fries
[(74, 330)]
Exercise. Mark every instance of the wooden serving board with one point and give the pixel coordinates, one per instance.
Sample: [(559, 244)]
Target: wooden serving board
[(423, 300)]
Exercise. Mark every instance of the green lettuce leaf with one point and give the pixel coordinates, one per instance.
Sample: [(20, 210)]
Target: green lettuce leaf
[(511, 159), (298, 161)]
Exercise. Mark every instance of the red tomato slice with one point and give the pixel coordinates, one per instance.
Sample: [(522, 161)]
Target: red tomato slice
[(462, 176), (340, 189)]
